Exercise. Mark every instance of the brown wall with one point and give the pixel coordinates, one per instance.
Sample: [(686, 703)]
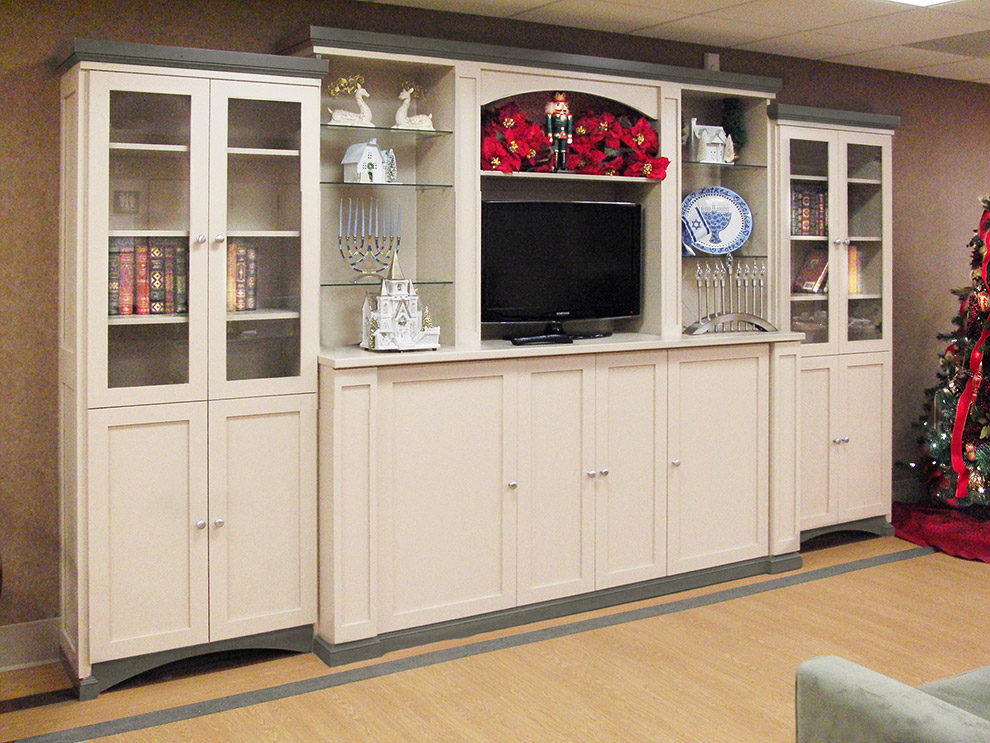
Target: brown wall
[(940, 156)]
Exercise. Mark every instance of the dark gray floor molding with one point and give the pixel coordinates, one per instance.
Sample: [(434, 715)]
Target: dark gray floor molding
[(340, 678)]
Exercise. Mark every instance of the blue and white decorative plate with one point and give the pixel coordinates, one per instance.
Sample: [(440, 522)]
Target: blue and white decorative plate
[(715, 220)]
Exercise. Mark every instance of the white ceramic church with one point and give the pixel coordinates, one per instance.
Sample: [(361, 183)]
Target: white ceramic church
[(394, 320)]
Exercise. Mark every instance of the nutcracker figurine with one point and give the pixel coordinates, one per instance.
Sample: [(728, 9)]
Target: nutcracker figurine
[(559, 130)]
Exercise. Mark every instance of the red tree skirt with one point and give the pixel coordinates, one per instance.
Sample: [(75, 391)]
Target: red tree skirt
[(952, 532)]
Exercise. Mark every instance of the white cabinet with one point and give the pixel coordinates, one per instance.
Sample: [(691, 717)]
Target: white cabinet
[(191, 510), (457, 489), (845, 465), (718, 456), (591, 496), (835, 191), (188, 334), (446, 505)]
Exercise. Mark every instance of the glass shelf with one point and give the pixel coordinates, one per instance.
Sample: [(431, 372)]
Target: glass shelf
[(147, 319), (729, 166), (422, 186), (372, 283), (341, 130)]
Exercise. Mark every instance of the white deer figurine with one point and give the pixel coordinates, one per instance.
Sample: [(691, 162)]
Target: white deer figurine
[(416, 121), (343, 117)]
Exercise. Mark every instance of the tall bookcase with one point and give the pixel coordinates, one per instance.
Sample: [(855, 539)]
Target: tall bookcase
[(188, 336), (836, 233)]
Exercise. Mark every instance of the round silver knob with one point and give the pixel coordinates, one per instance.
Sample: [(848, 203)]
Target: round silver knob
[(837, 440), (201, 238), (603, 471), (676, 462), (220, 238), (845, 439), (200, 524), (218, 523), (592, 474), (513, 485)]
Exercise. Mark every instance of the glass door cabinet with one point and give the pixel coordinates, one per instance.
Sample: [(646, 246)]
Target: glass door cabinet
[(197, 239)]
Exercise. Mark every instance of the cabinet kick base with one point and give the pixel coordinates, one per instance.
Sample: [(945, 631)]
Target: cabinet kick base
[(374, 647), (112, 672), (876, 525)]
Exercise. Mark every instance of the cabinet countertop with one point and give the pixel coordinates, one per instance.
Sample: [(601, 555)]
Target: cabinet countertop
[(354, 357)]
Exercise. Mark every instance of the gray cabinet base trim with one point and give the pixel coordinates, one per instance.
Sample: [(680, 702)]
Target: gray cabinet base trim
[(876, 525), (374, 647), (111, 672)]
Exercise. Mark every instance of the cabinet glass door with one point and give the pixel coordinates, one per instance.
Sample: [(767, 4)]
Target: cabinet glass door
[(260, 239), (148, 246), (147, 288), (809, 237), (863, 243)]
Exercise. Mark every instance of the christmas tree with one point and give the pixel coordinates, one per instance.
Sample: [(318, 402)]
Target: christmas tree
[(956, 422)]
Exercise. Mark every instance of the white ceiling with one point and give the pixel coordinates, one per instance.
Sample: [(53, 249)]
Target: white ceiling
[(950, 39)]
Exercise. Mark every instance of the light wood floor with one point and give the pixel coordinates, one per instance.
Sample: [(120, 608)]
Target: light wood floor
[(722, 672)]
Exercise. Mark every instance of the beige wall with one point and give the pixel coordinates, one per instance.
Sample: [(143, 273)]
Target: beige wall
[(940, 163)]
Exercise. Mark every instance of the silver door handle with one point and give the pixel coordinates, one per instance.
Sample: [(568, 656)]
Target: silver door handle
[(218, 523), (676, 462), (201, 524)]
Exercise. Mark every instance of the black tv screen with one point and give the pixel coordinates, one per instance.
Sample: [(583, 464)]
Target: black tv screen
[(558, 261)]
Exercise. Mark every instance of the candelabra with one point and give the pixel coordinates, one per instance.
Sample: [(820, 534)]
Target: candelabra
[(732, 297), (369, 238)]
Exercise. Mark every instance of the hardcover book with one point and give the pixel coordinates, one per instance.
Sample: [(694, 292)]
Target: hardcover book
[(142, 301), (813, 272), (156, 279)]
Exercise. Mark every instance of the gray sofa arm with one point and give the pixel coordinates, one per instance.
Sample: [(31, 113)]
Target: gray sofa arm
[(838, 701)]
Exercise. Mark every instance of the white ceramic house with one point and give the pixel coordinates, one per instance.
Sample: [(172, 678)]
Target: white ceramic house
[(710, 144), (395, 320), (364, 163)]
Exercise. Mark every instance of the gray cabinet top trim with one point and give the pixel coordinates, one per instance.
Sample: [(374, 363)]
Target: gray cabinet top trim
[(317, 36), (808, 114), (85, 50)]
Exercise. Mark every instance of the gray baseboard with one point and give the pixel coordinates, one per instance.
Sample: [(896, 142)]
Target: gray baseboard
[(359, 650), (876, 525), (109, 673)]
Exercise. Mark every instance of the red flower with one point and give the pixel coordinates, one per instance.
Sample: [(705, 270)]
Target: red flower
[(650, 167), (613, 166), (496, 157), (642, 138), (509, 116), (588, 163)]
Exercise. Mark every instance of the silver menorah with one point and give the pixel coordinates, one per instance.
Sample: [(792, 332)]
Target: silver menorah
[(370, 236), (732, 297)]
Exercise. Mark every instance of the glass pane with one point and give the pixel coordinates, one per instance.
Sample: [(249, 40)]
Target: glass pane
[(865, 248), (263, 249), (809, 243), (148, 246), (149, 118)]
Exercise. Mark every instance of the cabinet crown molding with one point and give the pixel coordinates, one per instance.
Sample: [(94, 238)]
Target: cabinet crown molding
[(116, 52), (337, 38), (809, 114)]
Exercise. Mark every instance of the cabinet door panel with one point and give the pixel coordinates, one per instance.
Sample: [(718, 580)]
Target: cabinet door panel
[(718, 488), (866, 457), (262, 520), (632, 443), (148, 588), (447, 517), (556, 494), (819, 390)]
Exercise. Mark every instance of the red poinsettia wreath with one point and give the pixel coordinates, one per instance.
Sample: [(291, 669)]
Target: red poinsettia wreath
[(603, 144)]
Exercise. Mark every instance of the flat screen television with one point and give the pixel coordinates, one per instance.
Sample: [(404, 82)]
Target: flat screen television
[(553, 261)]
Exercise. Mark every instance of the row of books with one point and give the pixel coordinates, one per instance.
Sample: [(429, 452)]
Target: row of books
[(151, 276), (148, 277), (812, 275), (809, 209)]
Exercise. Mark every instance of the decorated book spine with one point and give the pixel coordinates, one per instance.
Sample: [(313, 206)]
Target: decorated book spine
[(142, 302), (170, 279), (156, 279), (113, 282), (251, 280), (125, 300), (231, 276), (181, 279), (854, 266), (240, 281)]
